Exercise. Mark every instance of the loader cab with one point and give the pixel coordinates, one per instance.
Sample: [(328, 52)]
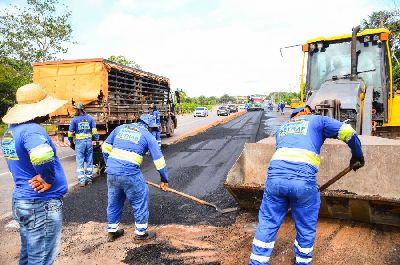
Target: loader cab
[(329, 60)]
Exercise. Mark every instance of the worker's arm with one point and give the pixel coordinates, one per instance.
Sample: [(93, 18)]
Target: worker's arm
[(41, 155), (71, 132), (344, 132), (158, 158), (107, 145), (94, 130)]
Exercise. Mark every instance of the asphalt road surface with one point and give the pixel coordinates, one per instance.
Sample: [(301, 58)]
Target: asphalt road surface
[(186, 123), (197, 166)]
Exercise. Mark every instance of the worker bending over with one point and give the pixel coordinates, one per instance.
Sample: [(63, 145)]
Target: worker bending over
[(123, 153), (83, 128), (291, 181)]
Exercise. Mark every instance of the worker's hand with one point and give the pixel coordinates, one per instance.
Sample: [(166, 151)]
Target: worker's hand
[(164, 186), (39, 185), (357, 163)]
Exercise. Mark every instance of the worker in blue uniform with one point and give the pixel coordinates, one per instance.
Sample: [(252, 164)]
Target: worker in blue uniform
[(291, 181), (40, 182), (82, 129), (123, 152), (156, 130)]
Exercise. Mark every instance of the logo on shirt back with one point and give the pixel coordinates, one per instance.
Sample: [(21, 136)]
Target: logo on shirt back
[(299, 127), (8, 146), (83, 125), (131, 134)]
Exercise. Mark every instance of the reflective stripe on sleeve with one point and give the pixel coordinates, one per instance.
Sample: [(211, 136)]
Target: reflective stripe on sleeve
[(94, 130), (71, 134), (297, 155), (80, 136), (126, 156), (261, 259), (303, 250), (41, 154), (159, 163), (261, 244), (106, 148), (346, 132), (303, 260)]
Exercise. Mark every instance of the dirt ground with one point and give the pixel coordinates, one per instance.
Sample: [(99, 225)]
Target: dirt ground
[(338, 242)]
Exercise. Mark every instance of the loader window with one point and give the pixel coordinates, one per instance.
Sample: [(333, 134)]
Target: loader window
[(334, 59)]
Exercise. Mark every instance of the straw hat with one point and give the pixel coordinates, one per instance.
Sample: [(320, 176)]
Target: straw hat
[(32, 102)]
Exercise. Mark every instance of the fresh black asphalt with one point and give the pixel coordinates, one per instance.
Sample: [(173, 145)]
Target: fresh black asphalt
[(197, 166)]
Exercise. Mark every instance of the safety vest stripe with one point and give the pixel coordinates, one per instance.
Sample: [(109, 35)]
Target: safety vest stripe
[(41, 154), (261, 259), (106, 148), (126, 156), (94, 130), (346, 132), (80, 136), (71, 134), (303, 250), (303, 260), (297, 155), (160, 163), (262, 244)]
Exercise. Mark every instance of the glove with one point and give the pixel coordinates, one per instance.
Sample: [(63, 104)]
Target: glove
[(72, 145), (357, 163)]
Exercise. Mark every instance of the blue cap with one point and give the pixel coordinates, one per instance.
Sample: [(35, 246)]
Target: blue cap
[(149, 120), (297, 110)]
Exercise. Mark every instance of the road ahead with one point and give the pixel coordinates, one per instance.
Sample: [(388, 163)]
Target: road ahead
[(186, 123)]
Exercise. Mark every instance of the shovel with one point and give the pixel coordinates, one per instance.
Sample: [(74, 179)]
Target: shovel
[(227, 210)]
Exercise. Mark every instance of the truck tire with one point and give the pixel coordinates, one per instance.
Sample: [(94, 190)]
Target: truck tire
[(170, 127)]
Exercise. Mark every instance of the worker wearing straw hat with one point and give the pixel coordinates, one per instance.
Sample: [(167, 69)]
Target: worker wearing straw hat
[(40, 182)]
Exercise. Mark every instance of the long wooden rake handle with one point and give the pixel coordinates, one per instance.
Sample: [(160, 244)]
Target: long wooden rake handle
[(190, 197)]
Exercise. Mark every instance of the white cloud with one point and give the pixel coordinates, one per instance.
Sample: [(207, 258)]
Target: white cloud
[(232, 49)]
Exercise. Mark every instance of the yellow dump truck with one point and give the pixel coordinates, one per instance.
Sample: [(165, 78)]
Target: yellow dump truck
[(347, 77), (112, 93)]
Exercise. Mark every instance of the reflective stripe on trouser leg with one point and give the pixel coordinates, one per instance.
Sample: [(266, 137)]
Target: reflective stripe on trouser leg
[(159, 143), (272, 212), (305, 215), (89, 160), (138, 196), (116, 199)]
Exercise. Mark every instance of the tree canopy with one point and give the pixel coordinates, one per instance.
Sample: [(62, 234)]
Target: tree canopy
[(124, 61)]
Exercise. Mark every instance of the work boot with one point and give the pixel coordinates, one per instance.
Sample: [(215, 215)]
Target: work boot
[(114, 235), (89, 182), (82, 184), (146, 236)]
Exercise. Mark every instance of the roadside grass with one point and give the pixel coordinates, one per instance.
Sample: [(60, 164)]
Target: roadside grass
[(48, 127)]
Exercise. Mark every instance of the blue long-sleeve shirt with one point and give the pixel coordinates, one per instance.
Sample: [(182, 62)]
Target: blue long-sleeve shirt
[(156, 114), (299, 142), (82, 128), (124, 148), (29, 151)]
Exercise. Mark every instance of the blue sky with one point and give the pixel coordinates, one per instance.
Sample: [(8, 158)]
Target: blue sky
[(212, 47)]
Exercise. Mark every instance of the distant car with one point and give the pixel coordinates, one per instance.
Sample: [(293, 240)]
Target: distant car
[(242, 106), (233, 108), (223, 111), (200, 112)]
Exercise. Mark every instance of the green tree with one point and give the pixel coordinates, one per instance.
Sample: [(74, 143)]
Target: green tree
[(36, 32), (122, 60), (226, 99)]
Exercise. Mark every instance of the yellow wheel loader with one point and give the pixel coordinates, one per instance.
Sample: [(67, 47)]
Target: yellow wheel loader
[(347, 77)]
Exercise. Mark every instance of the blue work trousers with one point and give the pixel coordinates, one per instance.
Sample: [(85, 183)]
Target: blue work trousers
[(40, 225), (157, 135), (84, 153), (304, 200), (133, 188)]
